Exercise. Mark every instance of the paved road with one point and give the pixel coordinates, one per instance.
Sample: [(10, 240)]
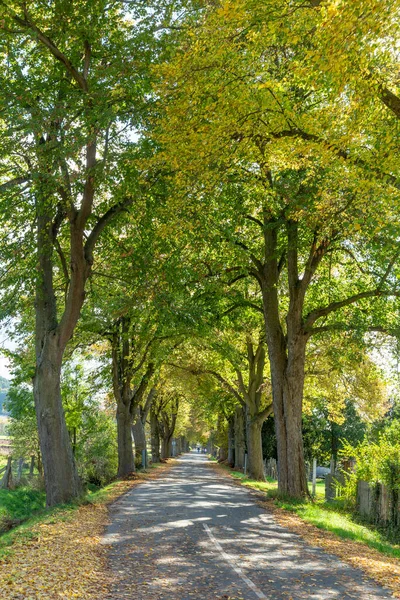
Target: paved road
[(193, 535)]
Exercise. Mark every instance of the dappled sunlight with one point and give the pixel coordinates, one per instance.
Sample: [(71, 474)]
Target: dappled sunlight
[(191, 535)]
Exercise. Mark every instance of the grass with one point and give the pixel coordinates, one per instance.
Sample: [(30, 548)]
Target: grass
[(28, 505), (20, 503), (270, 486), (330, 517), (333, 518)]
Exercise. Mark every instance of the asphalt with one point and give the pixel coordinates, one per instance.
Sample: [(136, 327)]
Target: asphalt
[(190, 534)]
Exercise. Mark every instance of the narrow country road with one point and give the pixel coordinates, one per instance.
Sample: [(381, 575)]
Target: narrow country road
[(193, 535)]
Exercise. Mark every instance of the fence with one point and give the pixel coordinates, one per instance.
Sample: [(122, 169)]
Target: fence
[(8, 478), (271, 468), (378, 504)]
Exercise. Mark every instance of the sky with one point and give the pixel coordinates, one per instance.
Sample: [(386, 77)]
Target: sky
[(7, 344), (4, 370)]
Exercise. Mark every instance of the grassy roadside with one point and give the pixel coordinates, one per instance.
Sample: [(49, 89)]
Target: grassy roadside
[(29, 505), (331, 528), (58, 553), (270, 487)]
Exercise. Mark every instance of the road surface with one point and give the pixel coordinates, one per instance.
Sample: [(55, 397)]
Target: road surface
[(192, 535)]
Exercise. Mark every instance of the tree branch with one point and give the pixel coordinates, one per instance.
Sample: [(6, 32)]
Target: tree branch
[(101, 224), (14, 182), (47, 41), (390, 100), (217, 376), (334, 306)]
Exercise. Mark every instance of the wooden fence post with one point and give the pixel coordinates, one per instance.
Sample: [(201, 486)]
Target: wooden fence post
[(20, 467), (7, 477), (314, 476)]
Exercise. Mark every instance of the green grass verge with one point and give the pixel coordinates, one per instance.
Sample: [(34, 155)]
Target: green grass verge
[(20, 503), (29, 505), (330, 517), (334, 519), (270, 486)]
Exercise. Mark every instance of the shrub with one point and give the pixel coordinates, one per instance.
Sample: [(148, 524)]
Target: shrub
[(96, 452)]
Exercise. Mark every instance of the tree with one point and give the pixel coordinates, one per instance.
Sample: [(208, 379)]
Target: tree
[(238, 365), (22, 427), (294, 191), (71, 101), (127, 396), (139, 425)]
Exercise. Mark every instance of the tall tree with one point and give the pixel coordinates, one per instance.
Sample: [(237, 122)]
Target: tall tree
[(70, 87), (292, 180)]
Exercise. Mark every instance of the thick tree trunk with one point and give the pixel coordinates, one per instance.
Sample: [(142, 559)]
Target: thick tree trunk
[(231, 441), (126, 463), (139, 436), (286, 355), (166, 446), (287, 386), (60, 474), (240, 442), (255, 465), (155, 437), (222, 453)]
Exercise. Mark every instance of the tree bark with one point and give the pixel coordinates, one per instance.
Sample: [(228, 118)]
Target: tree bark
[(126, 463), (167, 427), (122, 393), (255, 455), (141, 412), (166, 446), (231, 441), (286, 357), (139, 436), (255, 414), (61, 477), (240, 441), (155, 436), (60, 474)]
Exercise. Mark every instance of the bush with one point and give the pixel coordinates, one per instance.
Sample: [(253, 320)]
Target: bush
[(379, 462), (96, 453)]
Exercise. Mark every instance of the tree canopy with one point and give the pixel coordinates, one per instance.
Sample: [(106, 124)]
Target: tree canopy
[(201, 200)]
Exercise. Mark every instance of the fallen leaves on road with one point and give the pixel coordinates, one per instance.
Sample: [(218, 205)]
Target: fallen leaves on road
[(63, 557), (383, 569)]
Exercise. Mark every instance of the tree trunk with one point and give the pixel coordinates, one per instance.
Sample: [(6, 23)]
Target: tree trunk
[(167, 429), (139, 436), (222, 454), (6, 481), (60, 474), (240, 442), (255, 465), (166, 446), (231, 441), (286, 352), (155, 437), (126, 463), (287, 386)]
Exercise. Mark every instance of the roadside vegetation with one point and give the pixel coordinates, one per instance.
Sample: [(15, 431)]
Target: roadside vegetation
[(199, 243), (334, 517)]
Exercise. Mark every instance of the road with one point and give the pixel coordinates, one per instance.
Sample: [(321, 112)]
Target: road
[(191, 534)]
